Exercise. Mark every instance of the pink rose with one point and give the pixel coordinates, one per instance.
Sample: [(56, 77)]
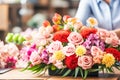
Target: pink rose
[(95, 51), (75, 38), (35, 58), (103, 34), (97, 54), (85, 62), (69, 50), (55, 46), (112, 39)]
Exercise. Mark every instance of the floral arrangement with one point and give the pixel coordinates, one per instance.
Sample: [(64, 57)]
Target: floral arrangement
[(68, 44)]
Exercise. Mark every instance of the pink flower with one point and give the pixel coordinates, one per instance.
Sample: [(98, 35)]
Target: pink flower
[(103, 33), (85, 62), (112, 39), (12, 49), (69, 50), (59, 64), (40, 40), (55, 46), (95, 51), (97, 59), (75, 38), (35, 58), (97, 54)]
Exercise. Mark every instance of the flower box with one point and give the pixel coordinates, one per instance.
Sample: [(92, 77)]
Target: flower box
[(55, 73)]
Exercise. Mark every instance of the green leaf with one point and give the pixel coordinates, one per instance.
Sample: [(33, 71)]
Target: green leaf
[(94, 70), (67, 72), (26, 67), (76, 71), (81, 72), (85, 74), (62, 70), (33, 68), (110, 70)]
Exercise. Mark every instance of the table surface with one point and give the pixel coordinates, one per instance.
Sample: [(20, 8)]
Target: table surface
[(18, 74)]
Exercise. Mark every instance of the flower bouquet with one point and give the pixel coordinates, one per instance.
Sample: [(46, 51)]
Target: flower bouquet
[(68, 47)]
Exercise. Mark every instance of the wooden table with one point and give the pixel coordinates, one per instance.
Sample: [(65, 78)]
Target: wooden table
[(17, 74)]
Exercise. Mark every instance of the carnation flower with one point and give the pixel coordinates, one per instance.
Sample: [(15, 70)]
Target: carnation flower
[(61, 36), (58, 55), (108, 60), (114, 52), (71, 61), (80, 51), (85, 32), (10, 62)]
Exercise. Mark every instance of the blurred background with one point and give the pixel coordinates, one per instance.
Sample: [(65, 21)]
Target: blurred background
[(17, 15)]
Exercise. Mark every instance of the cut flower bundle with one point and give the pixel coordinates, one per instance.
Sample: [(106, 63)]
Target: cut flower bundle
[(68, 44)]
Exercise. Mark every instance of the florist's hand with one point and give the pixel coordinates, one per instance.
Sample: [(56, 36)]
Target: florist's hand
[(117, 31)]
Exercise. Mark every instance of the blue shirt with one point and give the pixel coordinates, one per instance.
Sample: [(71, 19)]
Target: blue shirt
[(107, 15)]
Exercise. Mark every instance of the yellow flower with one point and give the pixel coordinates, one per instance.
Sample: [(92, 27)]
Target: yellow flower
[(58, 55), (92, 21), (80, 50), (108, 60)]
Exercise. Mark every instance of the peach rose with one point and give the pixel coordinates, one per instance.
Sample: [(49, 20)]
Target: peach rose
[(85, 62), (75, 38), (103, 34)]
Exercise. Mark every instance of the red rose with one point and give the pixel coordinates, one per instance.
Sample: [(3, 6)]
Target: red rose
[(71, 62), (113, 51), (85, 32), (61, 36)]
